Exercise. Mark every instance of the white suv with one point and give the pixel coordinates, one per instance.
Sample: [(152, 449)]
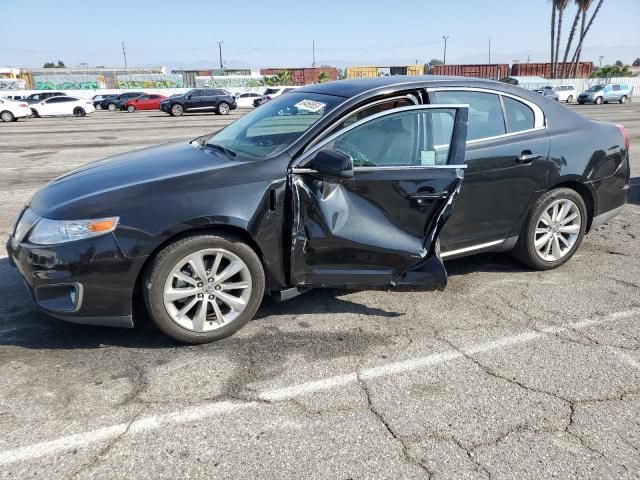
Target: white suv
[(565, 93), (10, 110)]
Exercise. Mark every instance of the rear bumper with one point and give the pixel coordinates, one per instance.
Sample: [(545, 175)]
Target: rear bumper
[(87, 281)]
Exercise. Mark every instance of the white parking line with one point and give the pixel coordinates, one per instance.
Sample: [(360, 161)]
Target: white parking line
[(198, 413)]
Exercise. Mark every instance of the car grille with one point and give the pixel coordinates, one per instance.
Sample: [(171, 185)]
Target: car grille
[(25, 224)]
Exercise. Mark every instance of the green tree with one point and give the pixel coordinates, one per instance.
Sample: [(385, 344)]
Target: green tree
[(281, 78), (60, 64), (609, 71), (432, 63), (559, 7), (584, 5), (323, 77), (49, 65), (619, 63)]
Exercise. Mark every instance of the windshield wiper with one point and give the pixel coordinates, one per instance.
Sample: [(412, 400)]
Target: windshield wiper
[(225, 150)]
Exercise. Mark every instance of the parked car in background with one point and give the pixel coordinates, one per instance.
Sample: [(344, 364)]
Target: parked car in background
[(114, 103), (561, 93), (199, 100), (614, 92), (364, 182), (11, 110), (14, 97), (97, 99), (38, 97), (61, 106), (271, 93), (144, 102), (247, 99)]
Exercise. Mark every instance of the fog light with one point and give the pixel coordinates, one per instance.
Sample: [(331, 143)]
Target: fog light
[(65, 297)]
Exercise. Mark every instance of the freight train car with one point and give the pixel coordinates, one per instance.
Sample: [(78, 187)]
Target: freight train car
[(585, 69), (304, 76), (492, 71)]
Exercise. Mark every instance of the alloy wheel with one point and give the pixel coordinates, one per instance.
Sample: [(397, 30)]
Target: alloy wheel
[(176, 110), (207, 290), (7, 117), (223, 109), (557, 230)]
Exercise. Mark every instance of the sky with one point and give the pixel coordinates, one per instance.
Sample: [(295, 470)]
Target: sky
[(280, 33)]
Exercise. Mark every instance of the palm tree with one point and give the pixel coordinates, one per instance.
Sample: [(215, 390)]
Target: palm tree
[(561, 5), (572, 34), (323, 77), (553, 33), (583, 33)]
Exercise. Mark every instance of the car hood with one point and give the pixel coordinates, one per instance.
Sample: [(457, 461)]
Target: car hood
[(103, 186)]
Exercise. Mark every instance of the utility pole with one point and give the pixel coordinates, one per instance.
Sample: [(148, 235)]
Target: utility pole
[(600, 60), (124, 54), (313, 47), (489, 50), (220, 52), (528, 58), (444, 60)]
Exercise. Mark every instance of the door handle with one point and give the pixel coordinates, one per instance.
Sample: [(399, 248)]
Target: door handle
[(527, 157)]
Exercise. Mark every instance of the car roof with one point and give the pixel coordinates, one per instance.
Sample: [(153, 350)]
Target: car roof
[(351, 88)]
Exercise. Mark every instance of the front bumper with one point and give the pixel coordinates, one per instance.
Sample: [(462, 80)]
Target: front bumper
[(86, 281), (586, 99)]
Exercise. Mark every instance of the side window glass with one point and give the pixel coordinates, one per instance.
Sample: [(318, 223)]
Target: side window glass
[(409, 138), (616, 88), (372, 110), (485, 112), (519, 116)]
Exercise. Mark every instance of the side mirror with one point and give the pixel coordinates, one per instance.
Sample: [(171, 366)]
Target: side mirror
[(332, 163), (189, 97)]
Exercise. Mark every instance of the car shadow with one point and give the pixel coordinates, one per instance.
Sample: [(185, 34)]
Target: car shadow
[(634, 191)]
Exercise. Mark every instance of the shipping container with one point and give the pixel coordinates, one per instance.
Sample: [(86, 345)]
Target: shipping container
[(417, 69), (304, 76), (361, 72), (492, 71), (585, 69)]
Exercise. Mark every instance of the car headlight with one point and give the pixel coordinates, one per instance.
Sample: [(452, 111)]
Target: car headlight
[(51, 232)]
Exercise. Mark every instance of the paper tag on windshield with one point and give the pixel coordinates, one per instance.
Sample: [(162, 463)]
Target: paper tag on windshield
[(310, 106), (427, 157)]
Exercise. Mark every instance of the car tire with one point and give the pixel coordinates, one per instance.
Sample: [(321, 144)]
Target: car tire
[(598, 101), (223, 108), (570, 99), (98, 107), (131, 109), (623, 99), (112, 107), (176, 110), (79, 112), (539, 245), (161, 280), (34, 113), (7, 116), (580, 103)]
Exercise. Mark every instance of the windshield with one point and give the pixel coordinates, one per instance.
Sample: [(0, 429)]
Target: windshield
[(269, 129), (595, 88)]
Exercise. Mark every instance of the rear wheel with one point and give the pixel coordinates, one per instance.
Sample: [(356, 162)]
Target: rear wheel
[(111, 107), (34, 113), (570, 99), (131, 109), (223, 108), (98, 106), (553, 231), (176, 110), (623, 99), (598, 101), (7, 116), (204, 287), (79, 112)]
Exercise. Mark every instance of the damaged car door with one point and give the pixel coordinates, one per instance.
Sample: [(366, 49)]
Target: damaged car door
[(369, 201)]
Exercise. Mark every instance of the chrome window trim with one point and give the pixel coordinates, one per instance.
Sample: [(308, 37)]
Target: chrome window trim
[(335, 135), (539, 121), (472, 248), (410, 97)]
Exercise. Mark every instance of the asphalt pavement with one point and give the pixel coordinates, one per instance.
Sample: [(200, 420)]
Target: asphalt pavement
[(507, 373)]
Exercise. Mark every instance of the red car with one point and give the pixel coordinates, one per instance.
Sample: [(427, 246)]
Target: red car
[(144, 102)]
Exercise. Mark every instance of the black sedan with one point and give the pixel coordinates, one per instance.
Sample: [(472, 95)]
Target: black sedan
[(200, 100), (344, 184), (116, 102)]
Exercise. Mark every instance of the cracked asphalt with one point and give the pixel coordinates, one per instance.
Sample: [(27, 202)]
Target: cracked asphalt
[(508, 373)]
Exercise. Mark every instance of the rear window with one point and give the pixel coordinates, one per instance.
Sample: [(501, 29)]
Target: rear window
[(519, 116)]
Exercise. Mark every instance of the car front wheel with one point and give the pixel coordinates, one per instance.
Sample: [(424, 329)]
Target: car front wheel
[(176, 110), (111, 107), (553, 231), (131, 109), (570, 99), (598, 101), (623, 99), (204, 287), (223, 108)]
